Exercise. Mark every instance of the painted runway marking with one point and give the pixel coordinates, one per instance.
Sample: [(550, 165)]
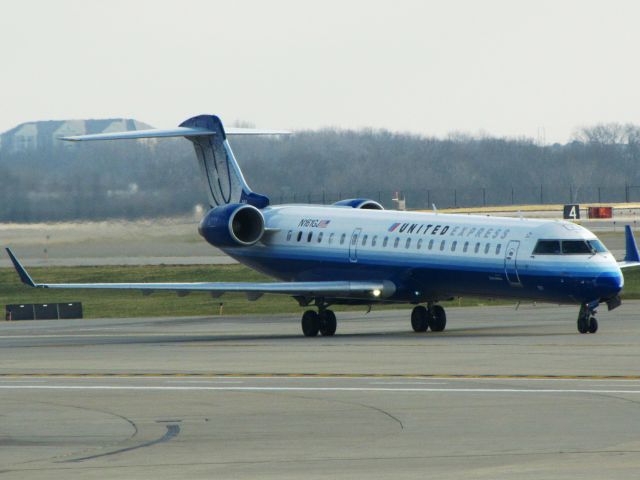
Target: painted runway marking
[(408, 383), (223, 382), (332, 376), (315, 389)]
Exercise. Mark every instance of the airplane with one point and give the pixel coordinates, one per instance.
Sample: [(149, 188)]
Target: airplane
[(355, 252)]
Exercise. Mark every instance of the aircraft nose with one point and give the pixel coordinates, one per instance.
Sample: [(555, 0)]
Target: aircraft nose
[(608, 285)]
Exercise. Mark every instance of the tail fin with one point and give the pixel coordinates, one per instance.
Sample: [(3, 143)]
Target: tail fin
[(223, 177)]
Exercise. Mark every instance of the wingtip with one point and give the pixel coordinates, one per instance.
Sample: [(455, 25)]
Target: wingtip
[(22, 273), (631, 254)]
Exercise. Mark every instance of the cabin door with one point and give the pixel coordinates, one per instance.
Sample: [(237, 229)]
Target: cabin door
[(353, 245), (510, 265)]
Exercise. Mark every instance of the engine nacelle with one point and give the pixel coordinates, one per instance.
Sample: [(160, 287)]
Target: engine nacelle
[(363, 203), (233, 225)]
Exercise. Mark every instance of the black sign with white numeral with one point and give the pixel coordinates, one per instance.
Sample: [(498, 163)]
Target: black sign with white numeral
[(571, 212)]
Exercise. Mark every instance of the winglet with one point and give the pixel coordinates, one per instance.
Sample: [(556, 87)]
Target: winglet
[(631, 254), (24, 276)]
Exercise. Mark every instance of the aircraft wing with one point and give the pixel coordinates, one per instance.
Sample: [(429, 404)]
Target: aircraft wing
[(632, 256), (373, 290)]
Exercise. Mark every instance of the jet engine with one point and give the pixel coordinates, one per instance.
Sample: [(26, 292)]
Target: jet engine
[(233, 225), (363, 203)]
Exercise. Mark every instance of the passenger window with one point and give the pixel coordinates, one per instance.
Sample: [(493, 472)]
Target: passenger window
[(408, 243), (454, 245), (466, 247), (364, 240), (477, 249), (419, 245), (486, 248), (309, 236), (342, 238), (430, 244), (374, 240), (330, 239), (320, 237), (299, 236), (354, 239), (547, 247), (498, 247), (442, 245), (395, 242), (289, 235), (385, 241)]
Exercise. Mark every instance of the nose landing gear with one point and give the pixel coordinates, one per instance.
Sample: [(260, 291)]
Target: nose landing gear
[(587, 322)]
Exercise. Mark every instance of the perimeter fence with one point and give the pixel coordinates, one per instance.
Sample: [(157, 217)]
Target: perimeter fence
[(475, 196)]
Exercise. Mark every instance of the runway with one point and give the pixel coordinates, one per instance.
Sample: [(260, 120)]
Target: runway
[(503, 393)]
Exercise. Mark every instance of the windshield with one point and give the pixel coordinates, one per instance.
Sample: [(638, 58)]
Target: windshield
[(569, 247), (573, 247), (597, 246)]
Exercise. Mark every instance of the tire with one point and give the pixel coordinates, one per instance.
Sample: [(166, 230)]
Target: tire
[(593, 325), (328, 323), (583, 324), (438, 321), (419, 319), (310, 323)]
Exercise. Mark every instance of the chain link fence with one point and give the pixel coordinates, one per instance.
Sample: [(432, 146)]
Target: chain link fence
[(475, 197)]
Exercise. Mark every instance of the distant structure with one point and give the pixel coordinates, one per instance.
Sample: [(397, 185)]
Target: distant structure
[(399, 202), (34, 135)]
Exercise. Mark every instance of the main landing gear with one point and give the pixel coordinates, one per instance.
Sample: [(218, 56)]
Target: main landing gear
[(323, 322), (432, 316), (587, 322)]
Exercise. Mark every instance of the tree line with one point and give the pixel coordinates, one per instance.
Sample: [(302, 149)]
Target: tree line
[(136, 179)]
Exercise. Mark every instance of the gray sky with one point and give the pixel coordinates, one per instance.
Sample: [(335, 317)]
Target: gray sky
[(500, 67)]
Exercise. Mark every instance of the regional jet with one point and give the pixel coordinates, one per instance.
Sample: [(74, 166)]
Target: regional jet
[(354, 252)]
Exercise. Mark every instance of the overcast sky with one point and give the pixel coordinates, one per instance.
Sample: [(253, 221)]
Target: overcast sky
[(500, 67)]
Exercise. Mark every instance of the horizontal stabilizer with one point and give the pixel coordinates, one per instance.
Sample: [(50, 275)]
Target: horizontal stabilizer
[(134, 134), (171, 132)]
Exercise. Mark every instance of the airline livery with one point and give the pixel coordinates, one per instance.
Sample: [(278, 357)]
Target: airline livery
[(355, 252)]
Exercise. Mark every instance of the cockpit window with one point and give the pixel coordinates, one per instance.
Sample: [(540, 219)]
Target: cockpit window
[(569, 247), (597, 246), (547, 247), (573, 247)]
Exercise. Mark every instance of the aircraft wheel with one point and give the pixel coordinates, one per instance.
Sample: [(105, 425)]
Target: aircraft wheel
[(583, 324), (593, 325), (328, 323), (310, 323), (419, 319), (438, 320)]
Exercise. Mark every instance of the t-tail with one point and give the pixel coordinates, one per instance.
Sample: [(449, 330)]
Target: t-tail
[(220, 170)]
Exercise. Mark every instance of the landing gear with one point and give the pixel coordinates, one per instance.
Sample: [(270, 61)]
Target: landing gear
[(587, 322), (423, 318), (310, 323), (419, 319), (328, 323), (438, 320), (323, 322)]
